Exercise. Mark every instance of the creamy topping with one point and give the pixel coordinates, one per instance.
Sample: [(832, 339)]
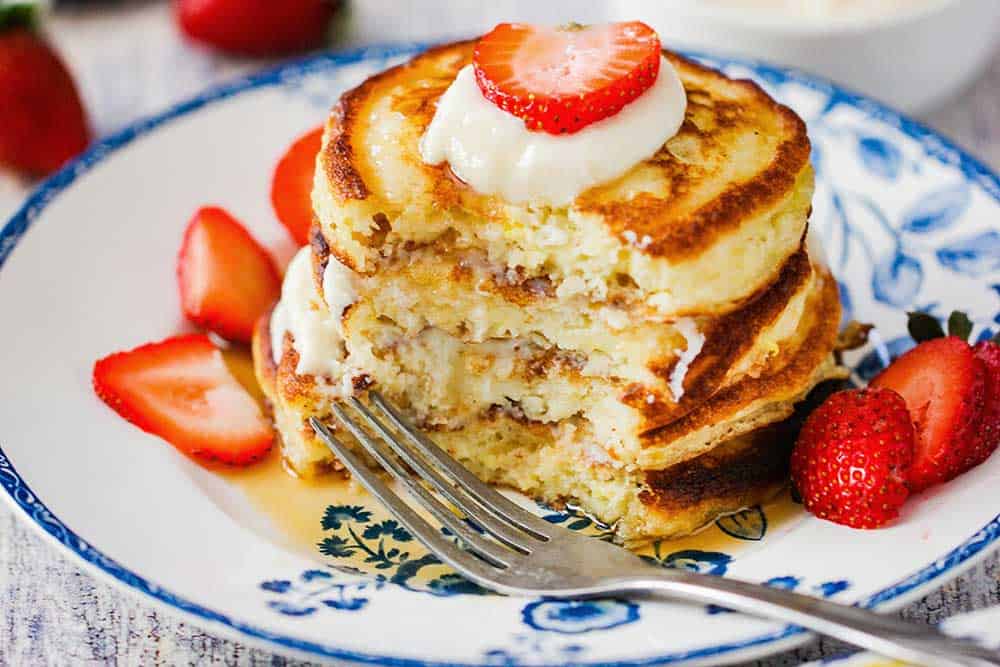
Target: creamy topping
[(695, 341), (339, 287), (495, 153), (316, 328)]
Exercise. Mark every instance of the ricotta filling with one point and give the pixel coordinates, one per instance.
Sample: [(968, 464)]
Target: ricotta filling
[(495, 153), (695, 341), (316, 326)]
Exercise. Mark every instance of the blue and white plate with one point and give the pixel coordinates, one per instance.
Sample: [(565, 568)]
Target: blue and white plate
[(909, 222)]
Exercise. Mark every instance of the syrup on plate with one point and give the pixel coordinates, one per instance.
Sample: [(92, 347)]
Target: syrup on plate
[(333, 520)]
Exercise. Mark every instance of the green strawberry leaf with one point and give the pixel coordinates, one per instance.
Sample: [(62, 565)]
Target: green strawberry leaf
[(959, 325), (924, 327), (996, 338), (18, 14)]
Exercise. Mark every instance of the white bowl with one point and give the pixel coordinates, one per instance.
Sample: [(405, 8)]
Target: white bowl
[(912, 59)]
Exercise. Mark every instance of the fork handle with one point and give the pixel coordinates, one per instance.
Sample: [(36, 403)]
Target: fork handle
[(886, 635)]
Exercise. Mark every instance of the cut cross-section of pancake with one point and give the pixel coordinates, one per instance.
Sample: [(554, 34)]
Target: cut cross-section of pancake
[(521, 414), (700, 226), (437, 312)]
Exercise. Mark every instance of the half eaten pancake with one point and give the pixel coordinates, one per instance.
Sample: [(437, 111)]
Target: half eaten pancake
[(569, 457), (637, 352), (437, 299)]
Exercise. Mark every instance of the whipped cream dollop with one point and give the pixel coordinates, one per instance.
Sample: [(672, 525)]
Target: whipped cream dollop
[(495, 153), (315, 325)]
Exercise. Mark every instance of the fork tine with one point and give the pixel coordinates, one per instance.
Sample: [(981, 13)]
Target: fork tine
[(484, 547), (488, 497), (472, 508), (468, 565)]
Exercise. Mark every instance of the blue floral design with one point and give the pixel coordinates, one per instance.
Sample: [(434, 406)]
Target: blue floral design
[(880, 157), (897, 279), (276, 586), (383, 546), (388, 528), (789, 583), (695, 560), (938, 210), (535, 648), (975, 256), (336, 515), (574, 519), (749, 524), (376, 540), (830, 588), (872, 363), (316, 589), (574, 617)]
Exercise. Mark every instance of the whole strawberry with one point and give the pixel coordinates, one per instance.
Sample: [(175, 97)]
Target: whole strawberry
[(42, 122), (852, 457), (988, 437), (256, 27)]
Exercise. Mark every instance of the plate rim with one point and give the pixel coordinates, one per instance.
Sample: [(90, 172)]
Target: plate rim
[(32, 510)]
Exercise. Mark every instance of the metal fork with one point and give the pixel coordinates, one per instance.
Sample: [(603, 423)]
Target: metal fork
[(525, 555)]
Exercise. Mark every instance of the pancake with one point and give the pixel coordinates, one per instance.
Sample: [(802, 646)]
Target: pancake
[(698, 228), (435, 300), (621, 474), (564, 463), (638, 352)]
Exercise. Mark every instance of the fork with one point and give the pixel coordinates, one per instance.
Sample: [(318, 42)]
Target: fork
[(512, 551)]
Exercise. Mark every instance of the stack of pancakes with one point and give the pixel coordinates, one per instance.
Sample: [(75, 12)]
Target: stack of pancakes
[(634, 352)]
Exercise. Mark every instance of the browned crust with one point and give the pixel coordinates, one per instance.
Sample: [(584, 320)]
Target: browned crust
[(674, 236), (319, 256), (267, 372), (264, 367), (689, 235), (339, 158), (279, 381), (734, 470), (727, 339), (816, 346)]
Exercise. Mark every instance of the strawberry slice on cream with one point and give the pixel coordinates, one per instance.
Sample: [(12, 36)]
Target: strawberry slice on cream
[(543, 114)]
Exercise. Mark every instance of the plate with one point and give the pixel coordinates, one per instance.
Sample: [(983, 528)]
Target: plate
[(909, 222)]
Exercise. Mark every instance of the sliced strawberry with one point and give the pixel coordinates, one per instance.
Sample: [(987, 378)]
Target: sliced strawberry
[(852, 456), (226, 279), (291, 186), (988, 436), (941, 381), (560, 80), (42, 121), (181, 390)]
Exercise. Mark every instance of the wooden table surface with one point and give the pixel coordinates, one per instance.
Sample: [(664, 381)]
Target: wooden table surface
[(51, 612)]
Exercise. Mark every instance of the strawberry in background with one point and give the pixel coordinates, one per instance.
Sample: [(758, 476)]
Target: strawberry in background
[(291, 185), (42, 121), (256, 27)]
